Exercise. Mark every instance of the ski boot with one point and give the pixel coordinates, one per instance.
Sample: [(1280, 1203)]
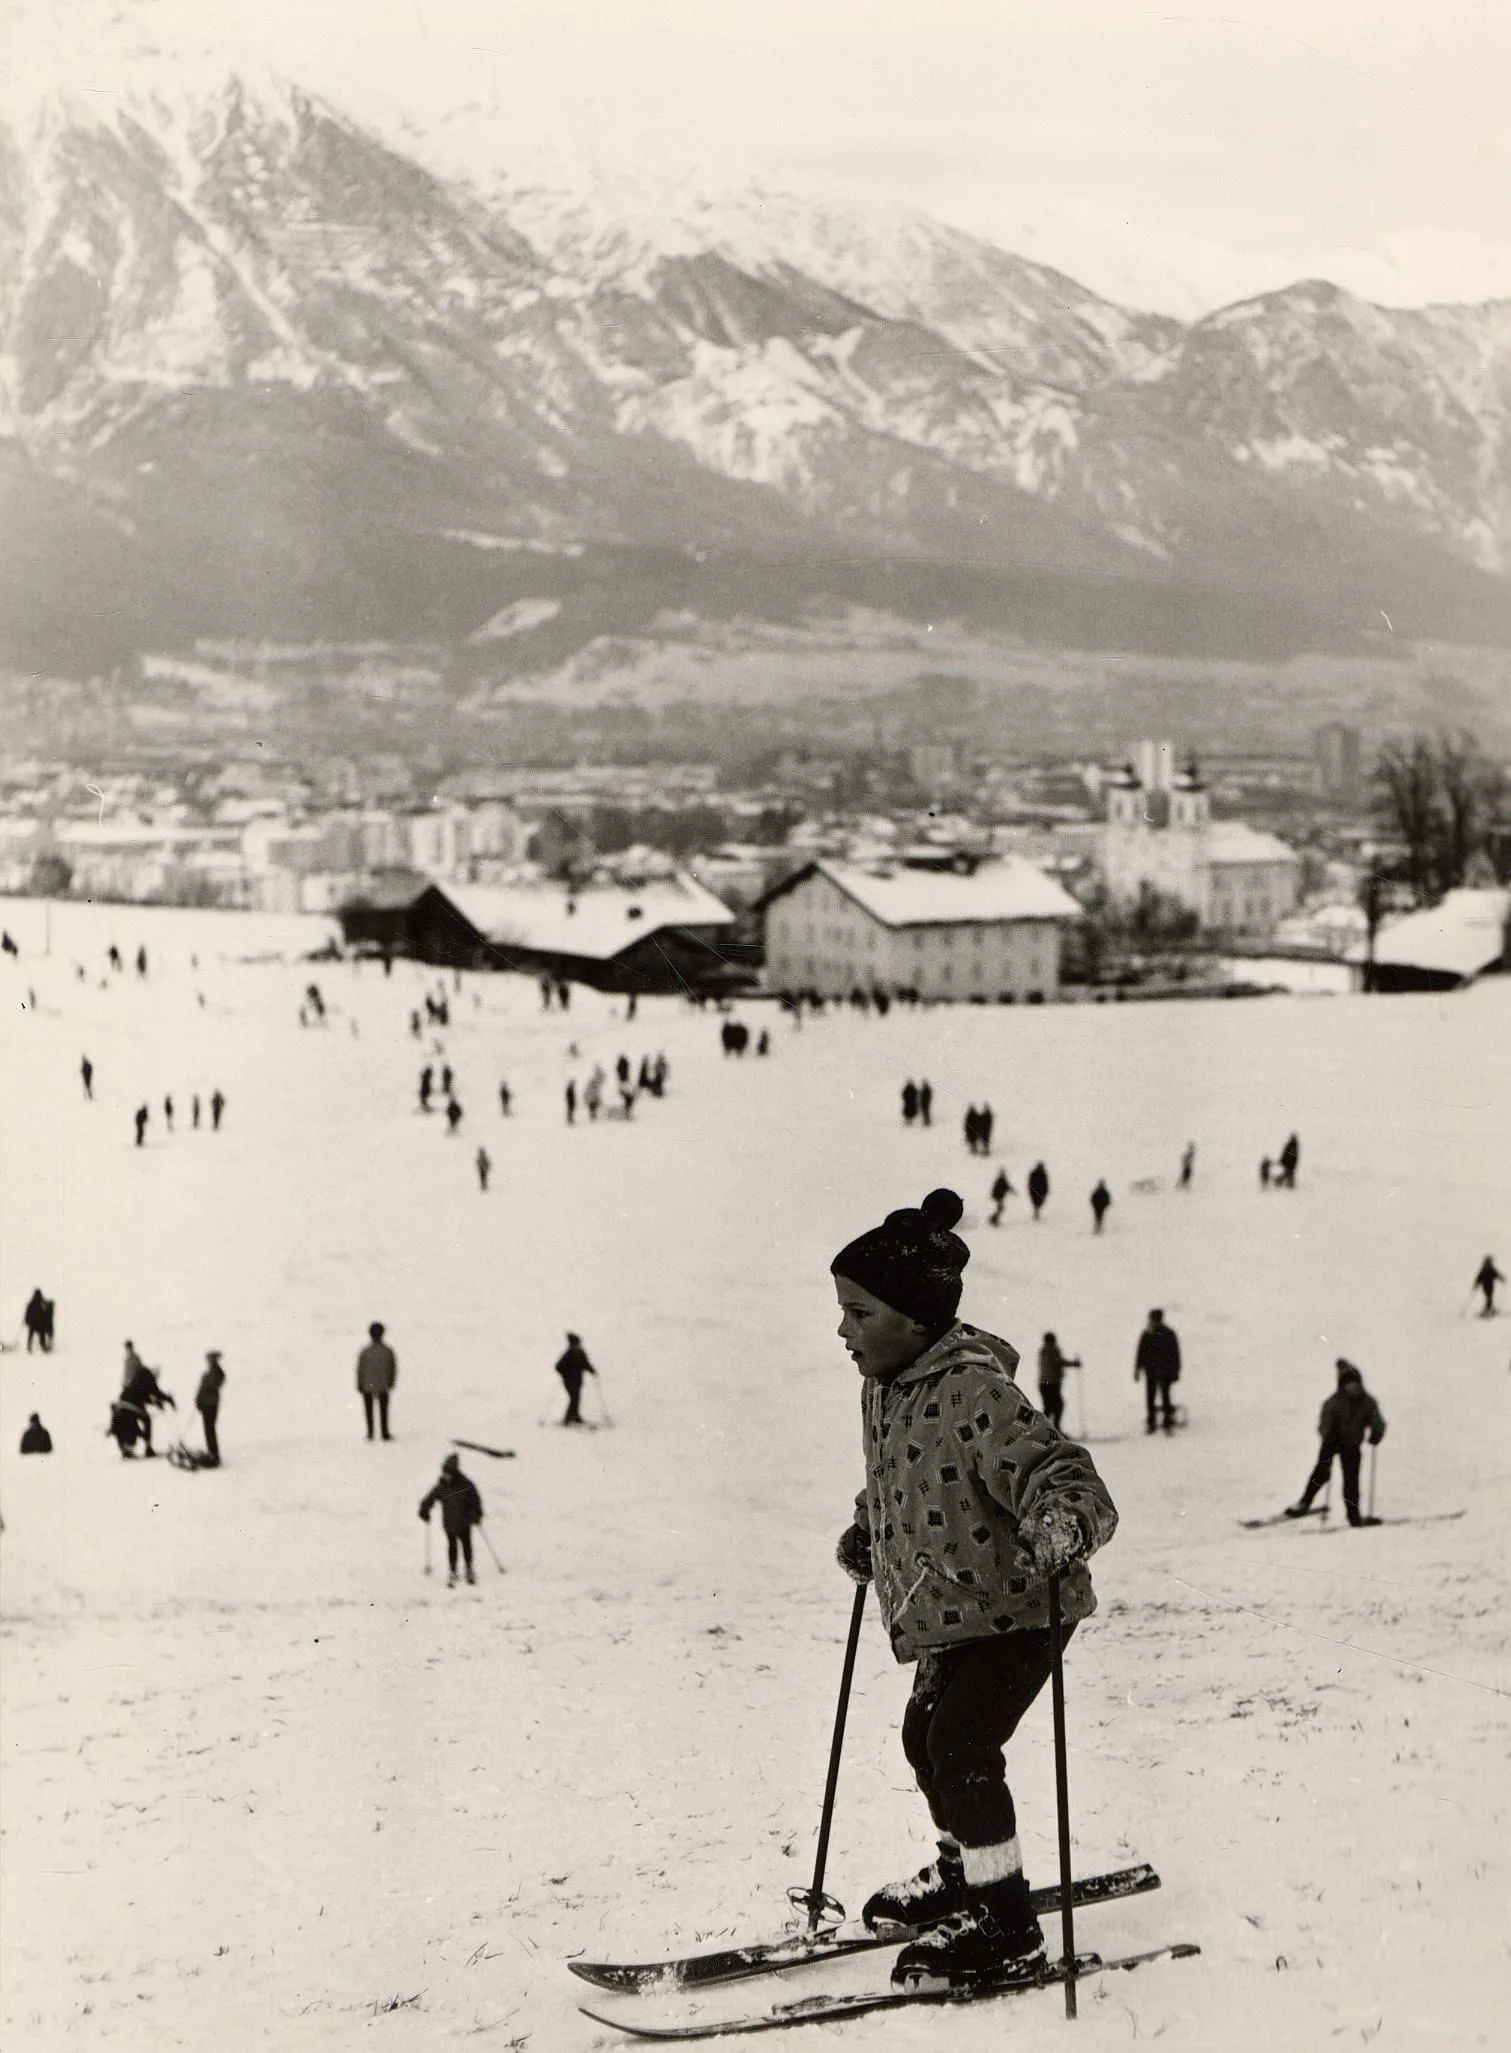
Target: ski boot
[(992, 1942), (1301, 1510), (470, 1576), (923, 1899)]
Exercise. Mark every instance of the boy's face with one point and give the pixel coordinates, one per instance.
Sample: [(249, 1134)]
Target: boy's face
[(878, 1339)]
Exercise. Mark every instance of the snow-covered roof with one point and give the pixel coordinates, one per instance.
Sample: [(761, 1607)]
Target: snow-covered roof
[(1462, 936), (1001, 889), (1230, 841), (596, 922)]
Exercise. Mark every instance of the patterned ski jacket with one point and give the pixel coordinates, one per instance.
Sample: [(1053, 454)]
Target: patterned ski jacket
[(958, 1462)]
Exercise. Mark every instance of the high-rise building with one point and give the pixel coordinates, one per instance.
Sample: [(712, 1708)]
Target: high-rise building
[(1337, 760)]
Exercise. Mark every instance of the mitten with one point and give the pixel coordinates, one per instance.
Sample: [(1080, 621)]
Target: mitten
[(854, 1554), (1055, 1537)]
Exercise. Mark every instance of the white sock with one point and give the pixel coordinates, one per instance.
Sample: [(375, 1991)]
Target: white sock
[(987, 1864)]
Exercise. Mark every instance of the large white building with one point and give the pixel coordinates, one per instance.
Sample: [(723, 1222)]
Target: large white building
[(1234, 878), (974, 930)]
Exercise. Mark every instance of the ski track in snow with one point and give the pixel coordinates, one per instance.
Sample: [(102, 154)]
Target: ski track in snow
[(267, 1785)]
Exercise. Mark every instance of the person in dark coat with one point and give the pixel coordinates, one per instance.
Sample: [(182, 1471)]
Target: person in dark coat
[(1052, 1367), (1347, 1418), (1264, 1173), (909, 1102), (35, 1318), (1038, 1187), (377, 1373), (1101, 1200), (141, 1115), (505, 1099), (142, 1394), (1290, 1157), (1002, 1190), (571, 1368), (926, 1102), (461, 1510), (571, 1102), (36, 1439), (427, 1085), (1158, 1362), (453, 1115), (207, 1403), (1187, 1166), (217, 1106), (484, 1164), (1486, 1278), (86, 1072)]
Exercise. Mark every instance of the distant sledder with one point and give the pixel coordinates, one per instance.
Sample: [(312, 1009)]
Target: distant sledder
[(131, 1412)]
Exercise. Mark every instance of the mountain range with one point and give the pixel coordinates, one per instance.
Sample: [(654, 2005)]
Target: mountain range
[(269, 373)]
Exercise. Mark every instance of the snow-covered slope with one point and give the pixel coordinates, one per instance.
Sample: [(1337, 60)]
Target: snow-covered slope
[(267, 1785)]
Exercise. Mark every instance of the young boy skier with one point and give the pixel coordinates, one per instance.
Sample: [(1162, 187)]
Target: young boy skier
[(461, 1510), (972, 1502)]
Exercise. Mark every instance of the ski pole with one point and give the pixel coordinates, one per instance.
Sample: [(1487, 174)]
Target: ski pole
[(603, 1409), (489, 1545), (427, 1546), (814, 1899), (1062, 1795), (1373, 1451)]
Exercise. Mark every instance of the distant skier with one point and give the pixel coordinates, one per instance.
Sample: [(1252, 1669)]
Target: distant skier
[(622, 1069), (377, 1373), (447, 1079), (1002, 1190), (461, 1510), (572, 1367), (926, 1102), (1347, 1418), (1486, 1278), (194, 1112), (570, 1093), (217, 1107), (970, 1128), (1265, 1166), (37, 1319), (427, 1085), (113, 956), (909, 1102), (86, 1072), (168, 1113), (1038, 1187), (141, 962), (1157, 1360), (1052, 1367), (962, 1542), (207, 1404), (36, 1439), (1101, 1201), (1187, 1166), (985, 1119), (592, 1095), (505, 1099), (141, 1116), (484, 1163), (763, 1041), (453, 1115), (1290, 1157)]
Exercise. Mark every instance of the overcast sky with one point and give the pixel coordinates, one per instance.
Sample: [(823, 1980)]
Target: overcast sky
[(1179, 156)]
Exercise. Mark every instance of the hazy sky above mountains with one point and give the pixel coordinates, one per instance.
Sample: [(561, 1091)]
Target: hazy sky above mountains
[(1176, 158)]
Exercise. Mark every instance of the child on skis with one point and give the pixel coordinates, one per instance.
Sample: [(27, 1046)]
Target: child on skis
[(972, 1502), (461, 1510)]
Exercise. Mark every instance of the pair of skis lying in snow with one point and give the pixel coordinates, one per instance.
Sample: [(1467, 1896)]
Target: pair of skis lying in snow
[(692, 1998)]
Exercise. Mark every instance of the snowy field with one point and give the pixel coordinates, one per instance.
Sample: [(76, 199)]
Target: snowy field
[(269, 1785)]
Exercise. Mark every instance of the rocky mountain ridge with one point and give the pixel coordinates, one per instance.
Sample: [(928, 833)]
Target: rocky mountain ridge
[(268, 372)]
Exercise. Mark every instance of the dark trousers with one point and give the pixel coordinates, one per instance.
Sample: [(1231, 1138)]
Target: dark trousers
[(1052, 1401), (462, 1540), (1348, 1458), (967, 1702), (1157, 1388), (380, 1399), (573, 1416), (207, 1416)]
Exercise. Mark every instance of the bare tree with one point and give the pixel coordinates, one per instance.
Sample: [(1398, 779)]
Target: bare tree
[(1470, 786), (1406, 773)]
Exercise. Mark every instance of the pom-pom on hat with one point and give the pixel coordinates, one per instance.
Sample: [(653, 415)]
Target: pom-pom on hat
[(912, 1261)]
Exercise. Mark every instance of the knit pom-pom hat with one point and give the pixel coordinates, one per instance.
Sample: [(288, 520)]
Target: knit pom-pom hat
[(912, 1261)]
